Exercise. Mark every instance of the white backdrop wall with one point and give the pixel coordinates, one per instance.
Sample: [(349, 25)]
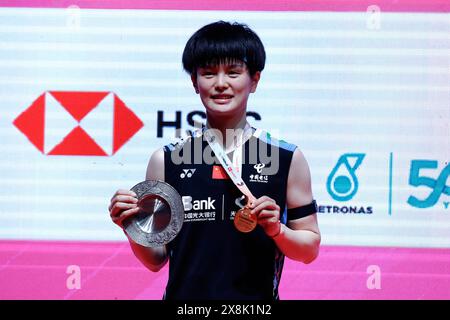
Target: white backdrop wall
[(368, 103)]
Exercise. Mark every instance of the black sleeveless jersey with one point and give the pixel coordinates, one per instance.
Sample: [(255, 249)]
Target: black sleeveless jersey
[(210, 258)]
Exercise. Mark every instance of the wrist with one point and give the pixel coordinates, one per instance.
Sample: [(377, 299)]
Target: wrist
[(278, 233)]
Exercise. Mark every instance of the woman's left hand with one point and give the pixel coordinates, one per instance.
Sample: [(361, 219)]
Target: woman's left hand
[(268, 213)]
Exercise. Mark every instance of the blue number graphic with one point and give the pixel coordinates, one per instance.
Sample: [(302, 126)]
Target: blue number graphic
[(438, 185)]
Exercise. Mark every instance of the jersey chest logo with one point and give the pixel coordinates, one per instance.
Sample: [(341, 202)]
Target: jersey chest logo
[(257, 176)]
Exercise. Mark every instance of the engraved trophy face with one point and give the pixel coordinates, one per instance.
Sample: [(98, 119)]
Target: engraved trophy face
[(160, 217), (154, 214)]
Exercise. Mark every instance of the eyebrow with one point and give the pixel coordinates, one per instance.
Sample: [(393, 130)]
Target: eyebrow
[(237, 65), (234, 65)]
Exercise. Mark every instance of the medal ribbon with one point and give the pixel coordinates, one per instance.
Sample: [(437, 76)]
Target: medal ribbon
[(231, 170)]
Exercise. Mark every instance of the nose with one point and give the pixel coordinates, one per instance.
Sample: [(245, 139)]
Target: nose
[(221, 81)]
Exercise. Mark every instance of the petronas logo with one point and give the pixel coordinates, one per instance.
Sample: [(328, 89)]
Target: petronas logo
[(342, 183)]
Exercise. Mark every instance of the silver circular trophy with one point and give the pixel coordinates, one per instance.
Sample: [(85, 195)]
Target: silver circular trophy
[(160, 217)]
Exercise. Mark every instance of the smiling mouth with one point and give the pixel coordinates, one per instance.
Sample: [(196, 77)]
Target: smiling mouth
[(221, 97)]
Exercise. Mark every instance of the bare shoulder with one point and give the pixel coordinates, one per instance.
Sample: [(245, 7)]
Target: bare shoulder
[(155, 168), (299, 191)]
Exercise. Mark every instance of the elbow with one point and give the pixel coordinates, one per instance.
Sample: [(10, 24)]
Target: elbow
[(153, 259), (313, 253), (310, 258), (157, 267), (154, 268)]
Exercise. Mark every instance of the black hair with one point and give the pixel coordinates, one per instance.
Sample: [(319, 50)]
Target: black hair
[(223, 42)]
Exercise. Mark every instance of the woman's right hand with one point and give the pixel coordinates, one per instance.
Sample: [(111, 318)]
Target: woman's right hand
[(123, 205)]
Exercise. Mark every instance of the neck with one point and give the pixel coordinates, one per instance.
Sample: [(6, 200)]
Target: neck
[(238, 123)]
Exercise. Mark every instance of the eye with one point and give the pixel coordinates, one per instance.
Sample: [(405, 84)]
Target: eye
[(207, 74), (234, 73)]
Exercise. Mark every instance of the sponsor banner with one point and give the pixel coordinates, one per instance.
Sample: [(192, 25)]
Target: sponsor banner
[(363, 93), (402, 200)]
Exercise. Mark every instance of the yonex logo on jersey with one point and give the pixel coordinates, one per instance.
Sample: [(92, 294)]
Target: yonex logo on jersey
[(187, 173), (197, 204)]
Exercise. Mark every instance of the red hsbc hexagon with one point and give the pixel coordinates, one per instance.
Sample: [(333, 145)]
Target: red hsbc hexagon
[(78, 123)]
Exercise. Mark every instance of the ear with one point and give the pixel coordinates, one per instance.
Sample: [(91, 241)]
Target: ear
[(255, 80), (194, 82)]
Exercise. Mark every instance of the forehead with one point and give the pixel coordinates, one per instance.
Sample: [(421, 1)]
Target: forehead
[(225, 63)]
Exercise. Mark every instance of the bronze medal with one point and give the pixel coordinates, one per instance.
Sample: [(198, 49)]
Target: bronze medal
[(244, 220)]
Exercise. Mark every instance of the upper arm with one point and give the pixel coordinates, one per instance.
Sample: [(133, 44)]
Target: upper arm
[(155, 171), (155, 168), (299, 192)]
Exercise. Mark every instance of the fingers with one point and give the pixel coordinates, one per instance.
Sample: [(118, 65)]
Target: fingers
[(260, 200), (124, 192), (122, 199), (269, 220), (123, 196), (264, 205), (268, 215), (119, 207), (123, 203), (124, 214)]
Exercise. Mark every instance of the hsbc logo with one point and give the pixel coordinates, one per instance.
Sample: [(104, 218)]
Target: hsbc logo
[(78, 123)]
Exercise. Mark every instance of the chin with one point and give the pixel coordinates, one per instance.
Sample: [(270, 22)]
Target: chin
[(221, 109)]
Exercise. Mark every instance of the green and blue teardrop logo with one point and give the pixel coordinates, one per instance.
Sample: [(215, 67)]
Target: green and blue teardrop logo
[(342, 183)]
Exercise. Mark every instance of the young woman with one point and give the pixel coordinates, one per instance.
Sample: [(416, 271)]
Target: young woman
[(210, 258)]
